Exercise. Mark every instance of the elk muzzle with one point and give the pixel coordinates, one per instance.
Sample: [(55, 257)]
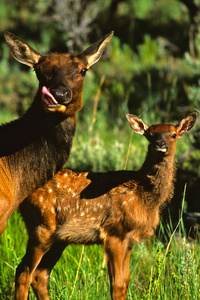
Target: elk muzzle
[(56, 99), (63, 95), (161, 146)]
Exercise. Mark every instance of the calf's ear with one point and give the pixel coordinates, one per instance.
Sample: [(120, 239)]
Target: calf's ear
[(137, 124), (187, 123)]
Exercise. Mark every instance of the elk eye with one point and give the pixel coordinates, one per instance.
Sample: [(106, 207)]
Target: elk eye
[(174, 135), (83, 72)]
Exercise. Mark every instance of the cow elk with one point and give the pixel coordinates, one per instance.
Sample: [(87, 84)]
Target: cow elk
[(117, 209), (36, 146)]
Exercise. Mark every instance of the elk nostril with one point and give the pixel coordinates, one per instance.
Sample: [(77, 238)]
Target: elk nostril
[(160, 144), (62, 94)]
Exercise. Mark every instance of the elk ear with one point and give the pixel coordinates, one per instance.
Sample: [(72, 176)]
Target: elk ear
[(21, 51), (137, 124), (187, 123), (93, 53)]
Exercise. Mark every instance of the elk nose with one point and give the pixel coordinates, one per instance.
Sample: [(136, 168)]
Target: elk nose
[(62, 94), (160, 145)]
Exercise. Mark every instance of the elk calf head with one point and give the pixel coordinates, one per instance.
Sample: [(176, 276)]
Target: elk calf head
[(60, 75), (162, 137)]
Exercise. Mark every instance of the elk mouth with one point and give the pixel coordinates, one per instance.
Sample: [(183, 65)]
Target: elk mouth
[(51, 98), (161, 148)]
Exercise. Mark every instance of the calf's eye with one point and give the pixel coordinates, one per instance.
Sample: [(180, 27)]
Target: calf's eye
[(83, 72), (174, 135)]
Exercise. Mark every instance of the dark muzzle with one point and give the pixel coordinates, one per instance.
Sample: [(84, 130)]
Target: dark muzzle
[(161, 146), (62, 94)]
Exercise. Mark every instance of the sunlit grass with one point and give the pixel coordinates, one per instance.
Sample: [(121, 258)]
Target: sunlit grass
[(159, 270)]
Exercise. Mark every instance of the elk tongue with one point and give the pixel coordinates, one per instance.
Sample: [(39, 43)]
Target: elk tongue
[(49, 100)]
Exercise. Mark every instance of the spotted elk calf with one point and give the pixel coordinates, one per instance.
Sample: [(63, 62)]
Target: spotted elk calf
[(116, 209), (35, 147)]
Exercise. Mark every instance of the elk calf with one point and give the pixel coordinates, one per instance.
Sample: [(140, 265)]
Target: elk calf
[(36, 146), (116, 209)]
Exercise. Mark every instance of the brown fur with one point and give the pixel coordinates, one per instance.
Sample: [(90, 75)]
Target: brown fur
[(116, 209), (36, 146)]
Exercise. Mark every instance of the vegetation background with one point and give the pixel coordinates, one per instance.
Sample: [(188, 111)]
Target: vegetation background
[(150, 68)]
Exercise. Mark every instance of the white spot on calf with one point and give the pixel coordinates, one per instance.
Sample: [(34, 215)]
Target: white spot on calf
[(40, 198), (123, 191), (58, 208), (99, 205), (50, 190), (58, 184), (82, 214), (65, 174), (131, 199), (52, 210)]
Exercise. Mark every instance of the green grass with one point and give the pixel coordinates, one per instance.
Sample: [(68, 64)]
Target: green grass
[(159, 270)]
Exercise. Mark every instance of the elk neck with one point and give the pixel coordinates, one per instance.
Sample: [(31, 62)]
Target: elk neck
[(157, 176), (35, 147)]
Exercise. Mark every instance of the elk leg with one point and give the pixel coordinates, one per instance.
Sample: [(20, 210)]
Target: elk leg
[(41, 275), (38, 244), (5, 207), (126, 269), (3, 225), (25, 270), (118, 257)]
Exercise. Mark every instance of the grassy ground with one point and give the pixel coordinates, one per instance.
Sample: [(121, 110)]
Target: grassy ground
[(159, 270)]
